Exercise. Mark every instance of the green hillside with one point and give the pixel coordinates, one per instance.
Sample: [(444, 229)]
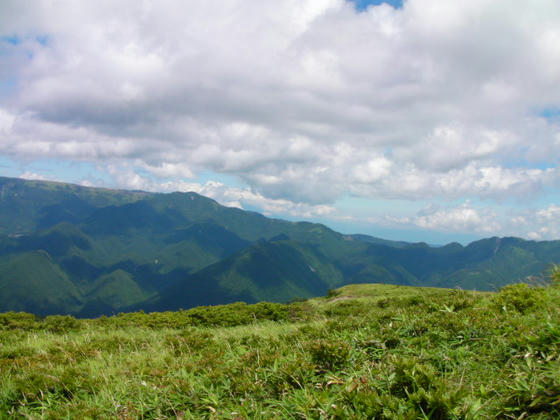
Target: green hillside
[(27, 205), (363, 351), (107, 251), (277, 270), (32, 282)]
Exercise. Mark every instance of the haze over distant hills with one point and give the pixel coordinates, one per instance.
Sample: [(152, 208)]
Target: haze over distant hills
[(91, 251)]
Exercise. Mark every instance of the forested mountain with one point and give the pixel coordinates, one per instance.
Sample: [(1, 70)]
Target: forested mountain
[(91, 251)]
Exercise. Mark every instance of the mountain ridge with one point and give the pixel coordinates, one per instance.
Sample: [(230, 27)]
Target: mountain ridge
[(104, 251)]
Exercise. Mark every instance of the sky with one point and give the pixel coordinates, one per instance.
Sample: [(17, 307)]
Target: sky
[(420, 120)]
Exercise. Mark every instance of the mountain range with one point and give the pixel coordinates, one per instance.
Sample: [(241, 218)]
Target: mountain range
[(69, 249)]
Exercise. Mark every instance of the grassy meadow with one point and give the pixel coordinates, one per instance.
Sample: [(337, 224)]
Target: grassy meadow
[(362, 351)]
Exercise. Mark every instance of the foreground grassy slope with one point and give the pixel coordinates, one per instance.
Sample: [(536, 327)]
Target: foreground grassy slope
[(364, 351)]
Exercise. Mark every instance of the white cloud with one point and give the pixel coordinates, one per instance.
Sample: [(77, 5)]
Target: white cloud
[(547, 223), (35, 176), (372, 170), (482, 220), (463, 218), (6, 121), (303, 101), (126, 177), (454, 146), (550, 214), (168, 170)]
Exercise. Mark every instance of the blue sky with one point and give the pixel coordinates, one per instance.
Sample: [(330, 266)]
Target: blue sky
[(425, 121), (364, 4)]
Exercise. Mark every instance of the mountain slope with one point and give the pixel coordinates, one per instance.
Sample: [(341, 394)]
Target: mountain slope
[(26, 206), (90, 251), (484, 265), (32, 282), (277, 270)]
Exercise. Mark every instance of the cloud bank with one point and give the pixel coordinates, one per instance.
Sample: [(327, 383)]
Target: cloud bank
[(304, 102)]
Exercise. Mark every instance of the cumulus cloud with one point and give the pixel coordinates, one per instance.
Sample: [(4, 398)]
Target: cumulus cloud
[(478, 219), (463, 218), (35, 176), (547, 223), (243, 198), (303, 101)]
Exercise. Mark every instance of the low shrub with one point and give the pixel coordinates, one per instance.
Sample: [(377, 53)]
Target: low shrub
[(331, 293), (18, 321), (328, 355), (61, 323), (520, 297)]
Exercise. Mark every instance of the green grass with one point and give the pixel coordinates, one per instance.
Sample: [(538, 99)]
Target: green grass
[(365, 351)]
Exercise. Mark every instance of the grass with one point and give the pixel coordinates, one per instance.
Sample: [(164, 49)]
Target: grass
[(365, 351)]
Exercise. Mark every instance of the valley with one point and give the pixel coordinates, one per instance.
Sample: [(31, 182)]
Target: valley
[(67, 249)]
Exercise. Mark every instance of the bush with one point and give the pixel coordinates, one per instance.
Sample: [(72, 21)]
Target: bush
[(555, 275), (18, 321), (328, 355), (520, 297), (331, 293), (61, 323)]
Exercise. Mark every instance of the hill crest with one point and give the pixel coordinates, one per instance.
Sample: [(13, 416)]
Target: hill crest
[(183, 249)]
